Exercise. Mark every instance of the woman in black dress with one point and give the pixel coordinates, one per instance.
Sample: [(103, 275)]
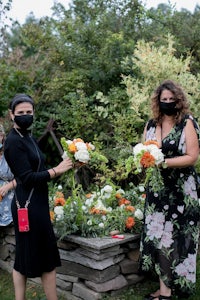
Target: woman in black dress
[(36, 250)]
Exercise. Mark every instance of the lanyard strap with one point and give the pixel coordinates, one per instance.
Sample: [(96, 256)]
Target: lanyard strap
[(31, 192)]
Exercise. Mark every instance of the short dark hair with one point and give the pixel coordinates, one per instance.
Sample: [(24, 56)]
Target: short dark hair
[(20, 98)]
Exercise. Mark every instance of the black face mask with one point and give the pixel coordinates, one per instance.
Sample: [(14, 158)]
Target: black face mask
[(24, 121), (168, 109)]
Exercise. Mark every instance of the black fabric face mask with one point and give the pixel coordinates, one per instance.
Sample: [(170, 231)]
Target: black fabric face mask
[(24, 121), (169, 108)]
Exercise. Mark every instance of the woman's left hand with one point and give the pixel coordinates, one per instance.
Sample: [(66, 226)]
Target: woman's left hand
[(3, 191)]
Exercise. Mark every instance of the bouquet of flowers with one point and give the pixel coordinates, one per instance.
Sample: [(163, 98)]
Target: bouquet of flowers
[(84, 154), (77, 149), (148, 158)]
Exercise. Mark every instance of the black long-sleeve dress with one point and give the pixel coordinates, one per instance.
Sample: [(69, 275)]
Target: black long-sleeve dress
[(36, 250)]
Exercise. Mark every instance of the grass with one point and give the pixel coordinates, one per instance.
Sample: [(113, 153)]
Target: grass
[(137, 292)]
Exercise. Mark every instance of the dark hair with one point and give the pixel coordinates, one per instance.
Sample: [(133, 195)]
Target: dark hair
[(182, 104), (20, 98)]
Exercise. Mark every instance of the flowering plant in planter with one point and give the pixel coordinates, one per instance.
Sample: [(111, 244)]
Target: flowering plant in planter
[(99, 213)]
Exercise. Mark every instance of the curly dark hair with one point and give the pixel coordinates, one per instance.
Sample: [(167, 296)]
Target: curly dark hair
[(182, 104)]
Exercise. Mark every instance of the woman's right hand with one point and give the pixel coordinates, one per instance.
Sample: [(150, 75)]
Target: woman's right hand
[(64, 166), (61, 168)]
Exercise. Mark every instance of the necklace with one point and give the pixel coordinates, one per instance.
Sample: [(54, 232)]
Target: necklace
[(18, 132)]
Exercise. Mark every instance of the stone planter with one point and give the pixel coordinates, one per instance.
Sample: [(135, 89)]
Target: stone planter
[(91, 267)]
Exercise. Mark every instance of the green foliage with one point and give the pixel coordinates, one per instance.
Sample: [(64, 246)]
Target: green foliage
[(157, 64), (98, 213), (92, 69)]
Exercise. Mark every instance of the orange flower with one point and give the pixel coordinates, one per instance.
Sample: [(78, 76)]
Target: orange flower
[(151, 142), (78, 140), (72, 148), (52, 215), (143, 196), (124, 201), (88, 146), (118, 195), (59, 194), (59, 201), (147, 160), (130, 208), (130, 222), (88, 195), (97, 211)]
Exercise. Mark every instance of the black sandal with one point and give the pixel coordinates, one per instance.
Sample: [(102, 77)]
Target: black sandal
[(164, 297)]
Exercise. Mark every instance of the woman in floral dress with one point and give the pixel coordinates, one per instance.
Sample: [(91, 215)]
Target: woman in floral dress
[(7, 185), (170, 236)]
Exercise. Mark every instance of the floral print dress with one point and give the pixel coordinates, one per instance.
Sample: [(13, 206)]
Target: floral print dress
[(169, 241), (5, 203)]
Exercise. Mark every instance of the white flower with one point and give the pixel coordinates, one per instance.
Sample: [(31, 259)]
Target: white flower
[(89, 222), (81, 146), (141, 188), (88, 201), (139, 214), (138, 148), (69, 142), (107, 189), (120, 191), (59, 212), (109, 209), (99, 205), (157, 153), (59, 187), (82, 155), (64, 155), (106, 196), (91, 146), (84, 208), (101, 225)]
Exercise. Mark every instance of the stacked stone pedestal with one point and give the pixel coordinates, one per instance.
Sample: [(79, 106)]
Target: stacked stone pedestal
[(91, 267)]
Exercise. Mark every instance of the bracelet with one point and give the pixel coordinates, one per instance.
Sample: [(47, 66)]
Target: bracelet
[(54, 172)]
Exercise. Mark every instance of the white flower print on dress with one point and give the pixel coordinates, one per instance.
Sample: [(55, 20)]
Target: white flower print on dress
[(155, 225), (180, 208), (182, 144), (190, 187), (187, 268), (166, 239), (150, 134)]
